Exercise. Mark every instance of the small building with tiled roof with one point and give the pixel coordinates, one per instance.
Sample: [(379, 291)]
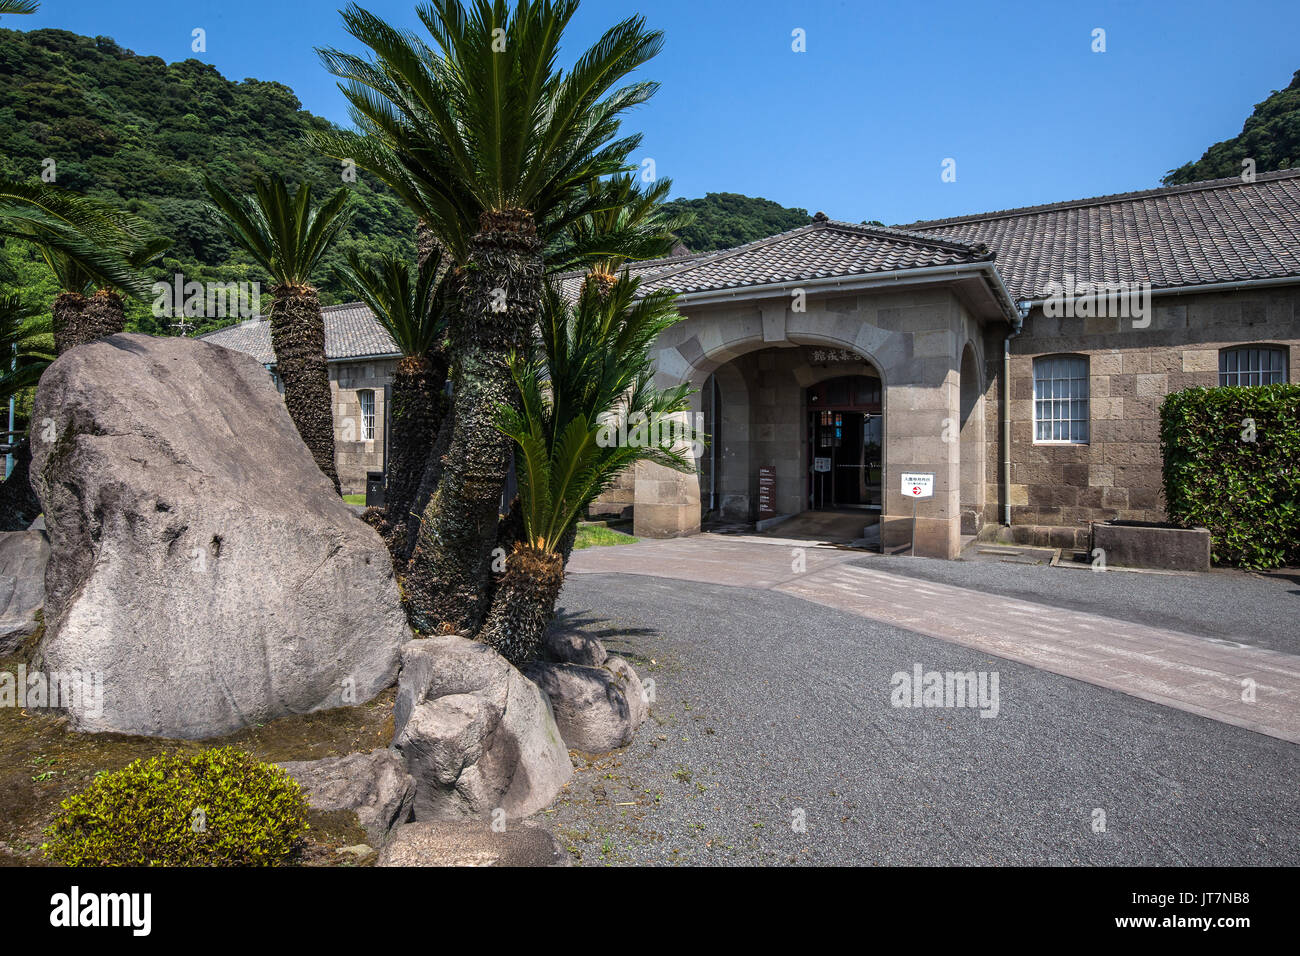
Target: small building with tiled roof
[(1018, 358), (361, 360)]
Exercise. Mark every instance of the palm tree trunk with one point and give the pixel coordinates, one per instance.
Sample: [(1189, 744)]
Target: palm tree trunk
[(426, 243), (298, 338), (432, 474), (78, 320), (447, 578), (524, 604), (418, 409)]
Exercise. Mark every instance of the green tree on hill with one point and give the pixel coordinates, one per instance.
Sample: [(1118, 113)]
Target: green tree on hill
[(723, 220)]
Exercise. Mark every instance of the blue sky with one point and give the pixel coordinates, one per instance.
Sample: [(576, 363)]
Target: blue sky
[(858, 125)]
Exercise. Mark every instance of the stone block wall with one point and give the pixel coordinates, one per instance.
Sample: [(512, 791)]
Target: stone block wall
[(354, 455), (1056, 490)]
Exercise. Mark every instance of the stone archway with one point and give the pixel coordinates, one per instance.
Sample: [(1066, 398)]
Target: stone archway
[(761, 420), (912, 339)]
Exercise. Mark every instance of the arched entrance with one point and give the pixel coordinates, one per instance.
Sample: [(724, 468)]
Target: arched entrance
[(845, 443)]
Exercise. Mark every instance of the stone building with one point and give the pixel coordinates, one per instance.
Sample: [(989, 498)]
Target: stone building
[(1019, 357), (361, 360), (831, 359)]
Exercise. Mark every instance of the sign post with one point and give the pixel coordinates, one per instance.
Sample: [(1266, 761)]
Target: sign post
[(917, 485)]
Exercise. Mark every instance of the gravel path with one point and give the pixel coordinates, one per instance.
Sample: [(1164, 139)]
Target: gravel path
[(771, 710)]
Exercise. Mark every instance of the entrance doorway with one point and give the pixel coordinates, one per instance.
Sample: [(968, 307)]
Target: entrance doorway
[(845, 439)]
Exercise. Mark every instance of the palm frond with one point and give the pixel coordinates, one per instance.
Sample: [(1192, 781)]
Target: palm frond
[(481, 117), (414, 311), (286, 235), (592, 377), (86, 242)]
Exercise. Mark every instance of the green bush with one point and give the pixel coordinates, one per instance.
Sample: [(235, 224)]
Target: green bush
[(1247, 492), (211, 808)]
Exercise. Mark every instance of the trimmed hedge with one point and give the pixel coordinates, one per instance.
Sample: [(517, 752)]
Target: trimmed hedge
[(1246, 492), (212, 808)]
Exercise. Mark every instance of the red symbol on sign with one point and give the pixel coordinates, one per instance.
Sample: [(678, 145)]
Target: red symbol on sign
[(916, 491)]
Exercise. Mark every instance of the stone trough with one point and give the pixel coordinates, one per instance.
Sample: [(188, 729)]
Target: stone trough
[(1145, 544)]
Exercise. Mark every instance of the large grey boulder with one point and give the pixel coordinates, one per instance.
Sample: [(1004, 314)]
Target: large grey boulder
[(598, 709), (200, 562), (375, 786), (477, 735), (23, 556), (471, 843)]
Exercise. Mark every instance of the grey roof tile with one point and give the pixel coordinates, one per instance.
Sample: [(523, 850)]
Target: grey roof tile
[(351, 332), (1217, 231), (1221, 230)]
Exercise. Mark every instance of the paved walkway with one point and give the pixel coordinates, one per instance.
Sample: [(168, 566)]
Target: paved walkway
[(1188, 672)]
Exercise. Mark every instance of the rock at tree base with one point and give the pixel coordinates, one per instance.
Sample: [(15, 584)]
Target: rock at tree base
[(571, 647), (598, 709), (23, 555), (200, 562), (374, 786), (471, 843), (477, 735)]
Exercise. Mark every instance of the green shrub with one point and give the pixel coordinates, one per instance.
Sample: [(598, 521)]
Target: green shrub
[(1247, 492), (211, 808)]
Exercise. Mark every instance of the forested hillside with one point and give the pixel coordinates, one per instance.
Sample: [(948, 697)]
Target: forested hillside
[(1271, 137), (141, 133)]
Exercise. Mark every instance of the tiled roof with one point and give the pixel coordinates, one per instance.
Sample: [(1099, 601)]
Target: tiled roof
[(1218, 231), (823, 249), (351, 332), (1221, 230)]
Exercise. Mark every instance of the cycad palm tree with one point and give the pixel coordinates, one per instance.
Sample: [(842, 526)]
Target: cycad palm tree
[(589, 410), (26, 345), (635, 226), (90, 307), (494, 146), (414, 312), (89, 246), (287, 237)]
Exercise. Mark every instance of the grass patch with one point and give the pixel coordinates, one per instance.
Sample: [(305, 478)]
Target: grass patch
[(355, 499), (595, 536)]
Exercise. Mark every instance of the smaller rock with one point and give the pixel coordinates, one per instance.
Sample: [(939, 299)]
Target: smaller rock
[(632, 688), (359, 852), (471, 843), (23, 556), (375, 786), (572, 647), (597, 709), (477, 736)]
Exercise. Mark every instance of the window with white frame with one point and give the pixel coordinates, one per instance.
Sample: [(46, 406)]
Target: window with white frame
[(367, 399), (1061, 399), (1252, 365)]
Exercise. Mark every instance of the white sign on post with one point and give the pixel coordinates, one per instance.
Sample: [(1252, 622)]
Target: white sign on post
[(821, 464), (918, 484)]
